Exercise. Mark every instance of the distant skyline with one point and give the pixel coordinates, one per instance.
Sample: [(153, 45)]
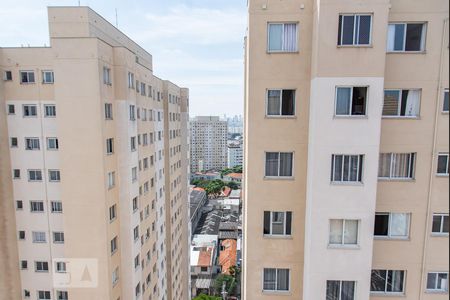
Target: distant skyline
[(198, 44)]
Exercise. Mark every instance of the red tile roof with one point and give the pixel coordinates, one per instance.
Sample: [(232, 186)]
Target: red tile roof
[(204, 259), (235, 175), (226, 191), (228, 256)]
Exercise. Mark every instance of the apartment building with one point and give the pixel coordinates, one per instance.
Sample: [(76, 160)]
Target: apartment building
[(235, 154), (208, 143), (94, 168), (346, 150)]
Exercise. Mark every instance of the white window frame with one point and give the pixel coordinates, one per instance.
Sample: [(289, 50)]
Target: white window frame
[(278, 176), (109, 146), (61, 235), (36, 171), (114, 245), (34, 142), (28, 72), (56, 204), (276, 290), (446, 91), (55, 142), (45, 294), (297, 37), (333, 164), (108, 111), (44, 77), (41, 263), (39, 203), (355, 29), (351, 87), (437, 290), (29, 106), (389, 235), (343, 244), (280, 115), (441, 230), (54, 172), (284, 234), (422, 42), (7, 75), (340, 287), (398, 116), (132, 111), (111, 182), (385, 292), (36, 234), (107, 75), (112, 212), (130, 80), (446, 174), (413, 162)]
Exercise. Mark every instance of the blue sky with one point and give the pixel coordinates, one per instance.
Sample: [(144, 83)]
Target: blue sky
[(195, 43)]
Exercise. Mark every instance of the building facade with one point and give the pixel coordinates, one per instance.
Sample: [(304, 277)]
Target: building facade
[(348, 198), (208, 143), (94, 168), (235, 154)]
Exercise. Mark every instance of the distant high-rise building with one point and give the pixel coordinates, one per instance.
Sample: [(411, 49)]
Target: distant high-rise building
[(208, 143), (93, 168), (346, 150), (235, 154)]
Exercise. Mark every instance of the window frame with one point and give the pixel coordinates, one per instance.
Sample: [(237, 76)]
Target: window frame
[(297, 37), (285, 224), (436, 290), (398, 116), (276, 290), (56, 204), (441, 229), (446, 174), (423, 42), (7, 75), (355, 31), (36, 172), (280, 115), (52, 76), (386, 292), (411, 169), (56, 143), (42, 263), (54, 171), (350, 115), (355, 284), (28, 72), (389, 236), (34, 234), (359, 172), (445, 112), (28, 108), (279, 158), (343, 244)]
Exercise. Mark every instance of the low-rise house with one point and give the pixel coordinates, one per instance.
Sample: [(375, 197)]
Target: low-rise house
[(234, 177), (228, 255), (203, 264), (211, 175)]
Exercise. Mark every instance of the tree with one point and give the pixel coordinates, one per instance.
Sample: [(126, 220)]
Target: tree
[(232, 185), (206, 297), (214, 188), (230, 284)]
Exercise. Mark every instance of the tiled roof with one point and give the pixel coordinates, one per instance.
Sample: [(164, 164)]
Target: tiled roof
[(204, 259), (228, 256)]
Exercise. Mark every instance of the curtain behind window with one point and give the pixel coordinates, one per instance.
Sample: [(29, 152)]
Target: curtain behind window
[(391, 103), (384, 167), (399, 225), (270, 279), (272, 163), (283, 280), (401, 165), (290, 37), (351, 232), (348, 290), (273, 102), (333, 288), (412, 104), (336, 231), (395, 281), (285, 164)]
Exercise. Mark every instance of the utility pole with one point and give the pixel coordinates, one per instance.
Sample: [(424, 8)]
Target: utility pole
[(224, 292)]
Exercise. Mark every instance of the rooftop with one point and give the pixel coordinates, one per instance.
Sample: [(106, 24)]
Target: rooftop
[(197, 196)]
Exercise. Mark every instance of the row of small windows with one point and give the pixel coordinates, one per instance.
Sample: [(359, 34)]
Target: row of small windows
[(36, 175), (31, 110), (46, 295), (27, 77), (38, 206), (352, 101), (40, 236), (349, 168), (353, 30), (33, 143), (382, 282)]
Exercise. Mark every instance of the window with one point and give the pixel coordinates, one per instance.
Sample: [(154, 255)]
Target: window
[(110, 146), (276, 280), (135, 204), (21, 235), (52, 143), (133, 143), (282, 37), (16, 174), (37, 206), (41, 266), (403, 37), (111, 179), (392, 225), (32, 144), (340, 290), (112, 212), (442, 167), (396, 165), (7, 76), (14, 142), (62, 295), (440, 224), (279, 164), (143, 89), (132, 113), (27, 77), (136, 233), (344, 232), (24, 264), (137, 290), (54, 175), (115, 276), (48, 77), (58, 237), (401, 103), (437, 282), (130, 80), (19, 204), (29, 111), (56, 206), (11, 109), (277, 223), (133, 174), (446, 104), (136, 262), (387, 281), (106, 75), (44, 295), (347, 168), (61, 267), (108, 111), (351, 101), (281, 102), (39, 237), (113, 245), (354, 30), (50, 110)]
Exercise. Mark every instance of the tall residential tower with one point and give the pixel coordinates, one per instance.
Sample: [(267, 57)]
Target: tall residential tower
[(346, 150), (93, 168)]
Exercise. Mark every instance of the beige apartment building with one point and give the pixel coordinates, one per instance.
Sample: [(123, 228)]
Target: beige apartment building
[(346, 150), (93, 168)]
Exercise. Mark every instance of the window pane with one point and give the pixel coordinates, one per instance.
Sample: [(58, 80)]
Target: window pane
[(343, 101), (273, 102), (283, 280), (378, 281), (431, 281), (347, 36), (395, 281), (351, 232), (401, 165), (442, 164), (340, 30), (333, 290), (364, 30), (437, 224), (445, 225), (348, 290), (287, 108), (384, 167), (290, 38), (275, 37), (336, 231), (359, 101), (399, 37), (381, 224), (446, 101), (399, 225), (288, 222), (285, 164), (278, 223), (346, 165), (272, 164), (391, 103), (269, 279), (266, 222), (413, 37), (354, 168), (442, 281), (337, 167), (410, 103)]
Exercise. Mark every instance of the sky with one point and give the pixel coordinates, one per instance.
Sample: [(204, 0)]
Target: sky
[(198, 44)]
